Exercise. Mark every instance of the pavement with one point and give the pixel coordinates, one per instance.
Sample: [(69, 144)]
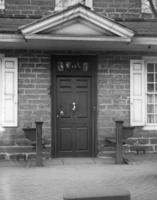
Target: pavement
[(24, 181)]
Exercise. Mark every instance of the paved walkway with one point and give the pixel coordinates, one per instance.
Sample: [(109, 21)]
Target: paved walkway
[(24, 181)]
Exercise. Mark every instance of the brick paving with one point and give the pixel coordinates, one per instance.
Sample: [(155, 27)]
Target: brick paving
[(23, 181)]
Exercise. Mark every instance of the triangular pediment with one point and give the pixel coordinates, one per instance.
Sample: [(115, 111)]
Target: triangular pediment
[(76, 21), (76, 27)]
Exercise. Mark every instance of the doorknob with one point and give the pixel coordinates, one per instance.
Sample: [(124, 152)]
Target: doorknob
[(74, 106), (60, 114)]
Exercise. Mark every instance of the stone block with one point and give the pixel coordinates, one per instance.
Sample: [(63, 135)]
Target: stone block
[(17, 156), (2, 156), (7, 142), (153, 140), (150, 148), (138, 149), (23, 142), (111, 193), (131, 141), (143, 140)]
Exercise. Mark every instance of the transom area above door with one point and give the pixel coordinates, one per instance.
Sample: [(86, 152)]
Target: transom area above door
[(73, 65)]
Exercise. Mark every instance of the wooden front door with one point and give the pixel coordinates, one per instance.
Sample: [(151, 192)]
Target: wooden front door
[(74, 134), (74, 106)]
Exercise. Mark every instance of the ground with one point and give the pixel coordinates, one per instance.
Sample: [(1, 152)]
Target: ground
[(20, 180)]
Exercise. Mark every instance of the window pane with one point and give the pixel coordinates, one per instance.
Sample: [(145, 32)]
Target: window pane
[(150, 119), (155, 87), (150, 108), (150, 98), (155, 109), (155, 120), (156, 67), (155, 98), (150, 77), (152, 93), (155, 77), (150, 87), (150, 67)]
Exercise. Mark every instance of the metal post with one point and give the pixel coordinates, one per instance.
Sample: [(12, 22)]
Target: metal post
[(119, 137), (39, 161)]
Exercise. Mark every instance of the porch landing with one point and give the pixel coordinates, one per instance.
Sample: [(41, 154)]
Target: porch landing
[(59, 175)]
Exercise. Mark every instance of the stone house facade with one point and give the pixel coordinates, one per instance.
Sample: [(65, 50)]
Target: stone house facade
[(78, 66)]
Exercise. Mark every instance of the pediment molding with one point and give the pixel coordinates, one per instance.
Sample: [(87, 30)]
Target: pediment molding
[(75, 21)]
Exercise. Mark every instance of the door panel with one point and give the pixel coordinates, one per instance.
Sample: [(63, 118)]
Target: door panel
[(65, 137), (82, 98), (82, 139), (74, 134)]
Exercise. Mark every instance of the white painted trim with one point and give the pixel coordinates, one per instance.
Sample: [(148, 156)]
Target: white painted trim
[(77, 38), (17, 38), (150, 128), (2, 4), (0, 90), (11, 38), (149, 59), (13, 124), (138, 97), (70, 14), (144, 40)]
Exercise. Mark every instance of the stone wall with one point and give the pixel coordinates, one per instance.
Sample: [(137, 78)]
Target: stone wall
[(34, 102), (147, 143), (122, 9), (27, 8), (114, 98), (113, 94)]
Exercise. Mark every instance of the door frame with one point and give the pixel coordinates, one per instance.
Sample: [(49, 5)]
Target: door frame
[(53, 92)]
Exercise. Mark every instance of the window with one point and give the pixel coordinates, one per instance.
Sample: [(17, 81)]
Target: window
[(143, 92), (8, 92), (151, 93), (60, 4), (2, 5), (145, 7)]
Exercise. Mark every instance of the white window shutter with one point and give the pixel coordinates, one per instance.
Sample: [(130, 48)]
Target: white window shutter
[(137, 94), (2, 4), (0, 91), (9, 91)]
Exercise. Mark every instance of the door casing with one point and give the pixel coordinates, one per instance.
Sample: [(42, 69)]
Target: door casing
[(93, 61)]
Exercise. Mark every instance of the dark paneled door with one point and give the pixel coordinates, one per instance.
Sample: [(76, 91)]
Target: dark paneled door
[(74, 116)]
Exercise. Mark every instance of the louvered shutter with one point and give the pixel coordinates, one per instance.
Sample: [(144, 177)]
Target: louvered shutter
[(137, 94), (9, 91)]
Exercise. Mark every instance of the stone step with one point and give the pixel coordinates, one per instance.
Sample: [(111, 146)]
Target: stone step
[(103, 193), (108, 151), (21, 152), (20, 149), (109, 148), (107, 154), (22, 156)]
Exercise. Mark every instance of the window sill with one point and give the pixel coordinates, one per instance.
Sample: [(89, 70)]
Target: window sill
[(2, 7), (150, 127)]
